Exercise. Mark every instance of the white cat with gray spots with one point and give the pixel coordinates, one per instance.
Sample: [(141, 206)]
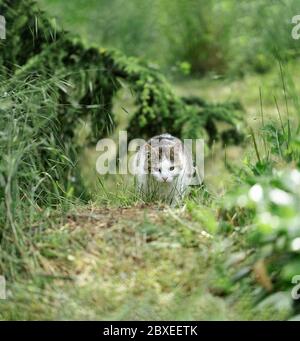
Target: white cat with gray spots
[(164, 169)]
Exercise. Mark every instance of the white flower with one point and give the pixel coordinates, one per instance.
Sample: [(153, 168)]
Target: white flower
[(256, 193), (266, 218), (280, 197), (295, 176), (296, 244)]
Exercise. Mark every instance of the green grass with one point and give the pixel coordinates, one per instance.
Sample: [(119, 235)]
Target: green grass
[(119, 259), (135, 263)]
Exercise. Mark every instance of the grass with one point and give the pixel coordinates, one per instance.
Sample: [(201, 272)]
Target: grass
[(125, 263), (116, 258)]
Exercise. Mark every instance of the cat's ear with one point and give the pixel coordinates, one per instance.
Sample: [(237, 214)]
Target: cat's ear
[(150, 150), (148, 147), (178, 146)]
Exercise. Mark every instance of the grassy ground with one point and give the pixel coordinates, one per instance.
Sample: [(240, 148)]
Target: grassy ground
[(140, 262), (120, 259)]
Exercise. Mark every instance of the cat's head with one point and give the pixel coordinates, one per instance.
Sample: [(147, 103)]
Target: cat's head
[(164, 163)]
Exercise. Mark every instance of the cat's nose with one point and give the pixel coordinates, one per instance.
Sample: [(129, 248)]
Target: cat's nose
[(165, 179)]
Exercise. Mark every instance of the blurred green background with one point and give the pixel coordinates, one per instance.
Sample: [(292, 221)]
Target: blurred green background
[(198, 36)]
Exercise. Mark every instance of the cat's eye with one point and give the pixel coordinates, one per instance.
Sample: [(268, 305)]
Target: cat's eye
[(172, 168)]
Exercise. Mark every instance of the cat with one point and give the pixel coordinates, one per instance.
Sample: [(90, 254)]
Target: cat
[(164, 169)]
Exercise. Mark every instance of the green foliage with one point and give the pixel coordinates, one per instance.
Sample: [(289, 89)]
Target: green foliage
[(91, 78), (197, 32), (265, 209), (274, 230), (262, 34), (209, 116), (210, 36)]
